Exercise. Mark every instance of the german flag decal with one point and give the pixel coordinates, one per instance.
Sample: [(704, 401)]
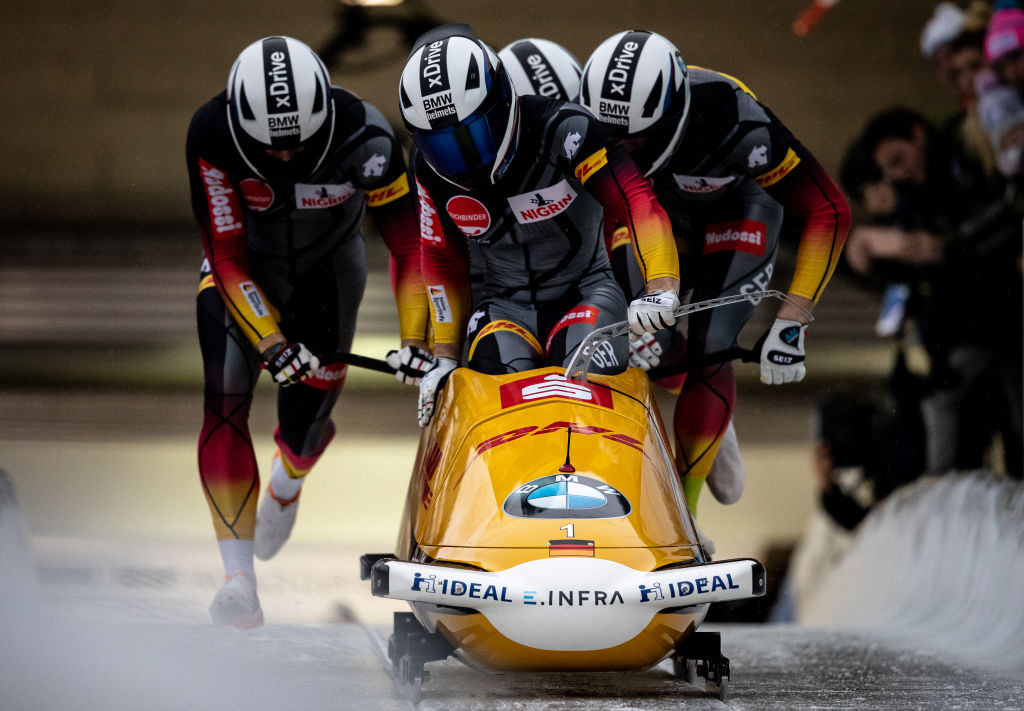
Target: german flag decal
[(570, 547)]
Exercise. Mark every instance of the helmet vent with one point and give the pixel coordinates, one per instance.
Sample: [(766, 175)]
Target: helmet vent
[(247, 112), (406, 102), (318, 97), (585, 92), (654, 98), (473, 74)]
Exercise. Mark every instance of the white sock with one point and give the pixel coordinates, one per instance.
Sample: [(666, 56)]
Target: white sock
[(237, 555), (285, 488)]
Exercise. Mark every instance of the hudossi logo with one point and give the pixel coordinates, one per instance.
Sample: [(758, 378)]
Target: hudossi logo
[(219, 194), (430, 226), (738, 235)]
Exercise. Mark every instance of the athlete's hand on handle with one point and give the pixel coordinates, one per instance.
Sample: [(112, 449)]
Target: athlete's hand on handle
[(782, 352), (289, 363), (410, 364), (644, 351), (431, 385), (653, 311)]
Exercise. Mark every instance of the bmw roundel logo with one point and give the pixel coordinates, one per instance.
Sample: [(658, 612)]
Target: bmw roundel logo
[(566, 496)]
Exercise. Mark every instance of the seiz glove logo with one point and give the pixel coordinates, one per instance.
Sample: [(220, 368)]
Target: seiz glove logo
[(783, 358)]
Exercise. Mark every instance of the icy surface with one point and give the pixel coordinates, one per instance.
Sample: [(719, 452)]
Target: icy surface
[(940, 562)]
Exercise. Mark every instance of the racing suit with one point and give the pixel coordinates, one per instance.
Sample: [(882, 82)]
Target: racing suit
[(286, 258), (738, 180), (547, 278)]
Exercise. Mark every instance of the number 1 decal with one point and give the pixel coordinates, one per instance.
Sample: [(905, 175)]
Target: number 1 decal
[(570, 530)]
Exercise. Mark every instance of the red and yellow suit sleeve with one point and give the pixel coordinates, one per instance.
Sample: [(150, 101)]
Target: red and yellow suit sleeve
[(808, 194), (393, 210), (445, 265), (610, 175), (222, 226)]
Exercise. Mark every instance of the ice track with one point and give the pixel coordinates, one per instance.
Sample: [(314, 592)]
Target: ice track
[(942, 562), (111, 632)]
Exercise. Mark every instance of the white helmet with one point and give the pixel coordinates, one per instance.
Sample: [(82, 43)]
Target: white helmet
[(638, 84), (279, 98), (459, 106), (539, 66)]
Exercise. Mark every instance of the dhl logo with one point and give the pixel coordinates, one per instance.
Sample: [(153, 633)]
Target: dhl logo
[(783, 169), (382, 196), (590, 165)]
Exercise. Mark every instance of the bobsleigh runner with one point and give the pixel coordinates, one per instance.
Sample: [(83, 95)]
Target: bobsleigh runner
[(545, 530)]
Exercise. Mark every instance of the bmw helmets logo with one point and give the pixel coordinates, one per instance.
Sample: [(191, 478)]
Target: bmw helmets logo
[(566, 496)]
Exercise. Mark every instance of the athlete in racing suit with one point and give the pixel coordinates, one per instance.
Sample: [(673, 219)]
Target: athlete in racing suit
[(728, 173), (529, 191), (280, 220)]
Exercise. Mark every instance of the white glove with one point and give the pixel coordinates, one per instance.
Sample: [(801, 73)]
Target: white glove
[(289, 363), (644, 351), (653, 312), (410, 364), (430, 385), (782, 353)]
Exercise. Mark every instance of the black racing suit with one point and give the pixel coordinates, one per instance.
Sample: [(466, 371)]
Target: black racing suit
[(547, 279), (737, 176), (287, 257)]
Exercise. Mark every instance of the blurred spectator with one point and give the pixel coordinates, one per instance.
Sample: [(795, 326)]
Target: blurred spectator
[(1001, 110), (945, 24), (1004, 44), (967, 302)]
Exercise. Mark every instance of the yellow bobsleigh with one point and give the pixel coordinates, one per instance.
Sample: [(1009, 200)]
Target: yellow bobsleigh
[(545, 529)]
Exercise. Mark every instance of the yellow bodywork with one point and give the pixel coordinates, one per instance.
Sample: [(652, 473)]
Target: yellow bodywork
[(490, 438)]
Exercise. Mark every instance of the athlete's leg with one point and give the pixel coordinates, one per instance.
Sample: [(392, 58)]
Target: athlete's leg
[(227, 464), (502, 338), (320, 313), (705, 404), (600, 304)]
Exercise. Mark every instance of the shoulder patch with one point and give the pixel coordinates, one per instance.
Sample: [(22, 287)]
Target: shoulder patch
[(382, 196), (792, 160), (591, 164)]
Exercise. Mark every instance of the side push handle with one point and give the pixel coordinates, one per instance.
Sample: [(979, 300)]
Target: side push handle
[(359, 361)]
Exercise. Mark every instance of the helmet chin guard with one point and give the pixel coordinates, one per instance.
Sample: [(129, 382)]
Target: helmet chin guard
[(279, 99), (460, 107), (637, 83)]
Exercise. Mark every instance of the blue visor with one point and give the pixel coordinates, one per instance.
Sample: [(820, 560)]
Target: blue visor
[(465, 148)]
